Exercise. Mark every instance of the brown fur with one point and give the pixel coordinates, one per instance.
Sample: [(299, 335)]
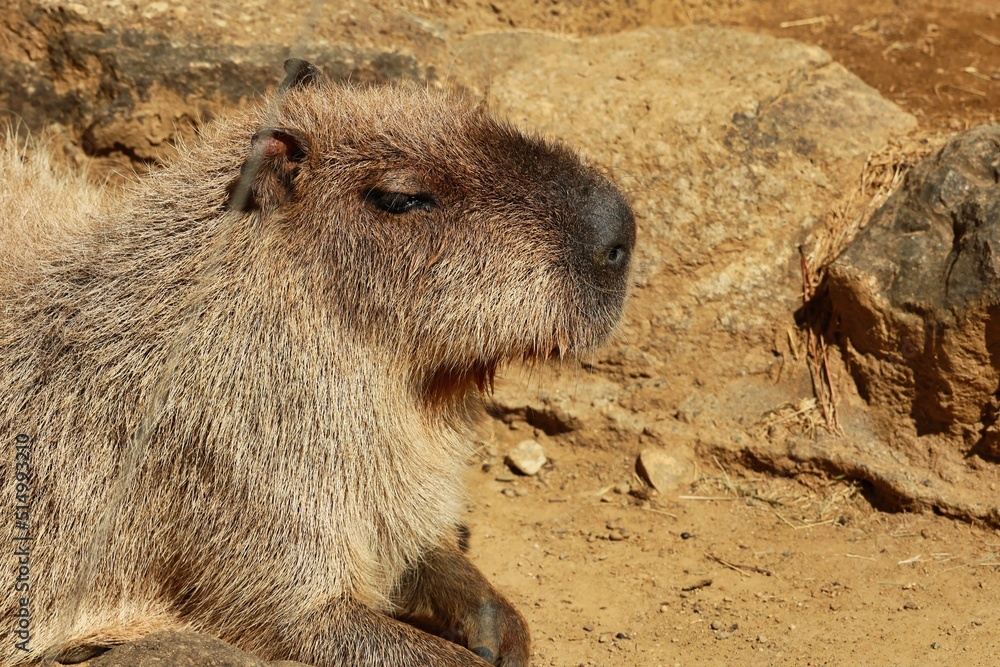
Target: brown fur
[(249, 400), (40, 204)]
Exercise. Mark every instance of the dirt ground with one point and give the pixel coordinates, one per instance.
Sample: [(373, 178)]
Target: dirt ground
[(738, 568)]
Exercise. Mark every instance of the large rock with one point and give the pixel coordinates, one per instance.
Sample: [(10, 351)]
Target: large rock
[(912, 303), (917, 296), (134, 79)]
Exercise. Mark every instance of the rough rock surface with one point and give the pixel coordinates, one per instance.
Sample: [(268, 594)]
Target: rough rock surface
[(131, 81), (916, 296), (181, 649)]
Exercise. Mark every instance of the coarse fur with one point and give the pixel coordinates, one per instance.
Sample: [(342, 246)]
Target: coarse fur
[(248, 399), (35, 193)]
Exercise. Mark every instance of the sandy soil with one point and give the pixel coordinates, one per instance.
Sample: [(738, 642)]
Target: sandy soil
[(735, 570)]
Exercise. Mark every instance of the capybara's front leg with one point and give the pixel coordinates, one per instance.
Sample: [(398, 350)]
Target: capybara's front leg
[(349, 634), (449, 595)]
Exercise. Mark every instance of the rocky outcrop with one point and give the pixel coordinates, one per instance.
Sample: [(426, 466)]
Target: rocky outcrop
[(916, 296), (135, 80)]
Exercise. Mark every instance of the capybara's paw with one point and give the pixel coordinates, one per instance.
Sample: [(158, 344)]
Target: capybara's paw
[(499, 635)]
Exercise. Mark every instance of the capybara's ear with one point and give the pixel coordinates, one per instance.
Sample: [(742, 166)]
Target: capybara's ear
[(281, 143), (300, 74), (267, 176)]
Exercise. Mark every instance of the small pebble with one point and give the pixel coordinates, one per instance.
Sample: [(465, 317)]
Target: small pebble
[(686, 536), (935, 645), (622, 488), (526, 457), (717, 625), (663, 471), (722, 635), (604, 638), (589, 627)]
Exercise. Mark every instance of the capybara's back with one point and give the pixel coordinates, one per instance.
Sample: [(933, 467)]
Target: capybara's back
[(240, 402), (41, 204)]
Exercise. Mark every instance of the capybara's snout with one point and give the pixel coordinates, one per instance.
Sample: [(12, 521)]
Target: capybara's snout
[(607, 234)]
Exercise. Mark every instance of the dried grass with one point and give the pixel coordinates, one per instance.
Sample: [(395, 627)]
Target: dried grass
[(801, 418), (883, 173), (799, 503)]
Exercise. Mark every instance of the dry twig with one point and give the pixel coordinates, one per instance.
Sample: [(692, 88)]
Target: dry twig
[(995, 41), (804, 22), (745, 570)]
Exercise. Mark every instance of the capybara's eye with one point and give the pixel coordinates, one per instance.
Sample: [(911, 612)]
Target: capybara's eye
[(399, 202)]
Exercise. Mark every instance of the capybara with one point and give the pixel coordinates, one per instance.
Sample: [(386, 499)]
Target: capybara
[(240, 401)]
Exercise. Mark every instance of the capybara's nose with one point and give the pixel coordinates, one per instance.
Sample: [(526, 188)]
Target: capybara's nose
[(608, 231)]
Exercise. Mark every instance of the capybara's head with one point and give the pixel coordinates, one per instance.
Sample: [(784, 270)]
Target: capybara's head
[(441, 233)]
